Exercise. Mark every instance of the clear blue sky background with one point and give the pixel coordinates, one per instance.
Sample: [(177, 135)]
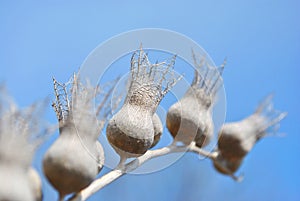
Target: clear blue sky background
[(261, 39)]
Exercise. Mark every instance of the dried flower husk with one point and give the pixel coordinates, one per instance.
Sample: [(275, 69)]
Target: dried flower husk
[(236, 139), (76, 157), (190, 119), (226, 166), (20, 136), (130, 131)]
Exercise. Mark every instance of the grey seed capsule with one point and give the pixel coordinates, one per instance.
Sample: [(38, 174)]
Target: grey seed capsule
[(225, 166), (236, 139), (14, 185), (35, 184), (190, 119), (71, 163), (76, 157), (158, 129), (130, 131)]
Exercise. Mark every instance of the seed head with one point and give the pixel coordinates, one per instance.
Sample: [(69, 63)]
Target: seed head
[(236, 139), (76, 157), (20, 135), (130, 131), (20, 131), (190, 119)]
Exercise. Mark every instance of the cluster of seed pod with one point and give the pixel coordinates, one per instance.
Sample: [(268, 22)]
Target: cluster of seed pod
[(134, 128), (236, 139), (20, 135), (76, 157), (190, 119)]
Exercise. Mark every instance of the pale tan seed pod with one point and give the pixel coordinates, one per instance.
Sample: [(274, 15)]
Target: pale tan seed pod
[(76, 157), (130, 131), (20, 135), (14, 185), (158, 129), (236, 139), (35, 184), (225, 166), (190, 119)]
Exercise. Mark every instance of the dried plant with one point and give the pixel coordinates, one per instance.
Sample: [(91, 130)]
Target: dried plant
[(76, 157), (130, 131), (74, 160), (158, 129), (236, 139), (21, 133), (190, 119), (200, 97)]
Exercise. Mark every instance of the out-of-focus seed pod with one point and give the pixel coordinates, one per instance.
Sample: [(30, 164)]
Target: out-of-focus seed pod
[(20, 135), (227, 166), (190, 119), (130, 131), (158, 129), (236, 139), (14, 185), (76, 157), (35, 184)]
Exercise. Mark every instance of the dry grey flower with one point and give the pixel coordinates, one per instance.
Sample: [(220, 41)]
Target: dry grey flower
[(130, 131), (236, 139), (20, 135), (76, 157), (190, 119)]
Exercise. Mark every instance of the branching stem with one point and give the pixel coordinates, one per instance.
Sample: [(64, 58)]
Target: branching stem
[(129, 167)]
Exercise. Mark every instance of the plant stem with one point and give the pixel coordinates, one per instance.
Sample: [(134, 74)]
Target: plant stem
[(129, 167)]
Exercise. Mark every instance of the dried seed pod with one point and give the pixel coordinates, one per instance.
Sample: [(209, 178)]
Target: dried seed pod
[(35, 184), (158, 129), (236, 139), (76, 157), (227, 166), (16, 186), (130, 131), (190, 119), (20, 135)]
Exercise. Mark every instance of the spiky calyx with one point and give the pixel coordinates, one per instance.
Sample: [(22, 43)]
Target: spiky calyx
[(149, 82), (76, 105)]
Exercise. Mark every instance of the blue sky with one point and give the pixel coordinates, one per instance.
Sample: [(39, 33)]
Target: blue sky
[(261, 40)]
